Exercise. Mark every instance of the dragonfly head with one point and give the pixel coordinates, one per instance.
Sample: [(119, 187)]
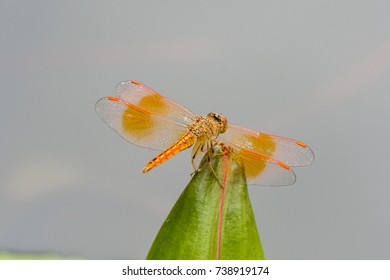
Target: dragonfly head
[(221, 121)]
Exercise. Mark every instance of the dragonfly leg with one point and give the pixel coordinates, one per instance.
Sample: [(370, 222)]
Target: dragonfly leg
[(210, 154), (199, 146)]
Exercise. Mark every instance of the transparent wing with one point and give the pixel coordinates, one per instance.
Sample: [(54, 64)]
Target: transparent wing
[(145, 98), (264, 171), (139, 125), (288, 151)]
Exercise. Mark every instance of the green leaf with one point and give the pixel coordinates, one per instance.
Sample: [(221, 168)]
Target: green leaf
[(4, 255), (212, 219)]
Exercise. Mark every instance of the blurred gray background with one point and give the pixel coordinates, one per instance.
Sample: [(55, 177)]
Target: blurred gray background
[(316, 71)]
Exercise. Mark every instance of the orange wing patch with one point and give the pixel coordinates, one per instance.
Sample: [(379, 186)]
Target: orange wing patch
[(153, 103), (262, 144), (134, 122), (254, 163), (253, 170), (263, 170)]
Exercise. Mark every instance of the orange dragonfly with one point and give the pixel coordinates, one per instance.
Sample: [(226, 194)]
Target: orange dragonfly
[(147, 119)]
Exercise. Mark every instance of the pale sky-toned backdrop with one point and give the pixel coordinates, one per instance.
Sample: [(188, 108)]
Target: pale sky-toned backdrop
[(317, 71)]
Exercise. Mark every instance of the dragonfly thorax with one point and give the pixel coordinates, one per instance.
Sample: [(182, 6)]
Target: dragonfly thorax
[(209, 126)]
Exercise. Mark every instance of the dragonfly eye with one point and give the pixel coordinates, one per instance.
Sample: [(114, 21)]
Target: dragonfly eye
[(215, 116), (222, 121)]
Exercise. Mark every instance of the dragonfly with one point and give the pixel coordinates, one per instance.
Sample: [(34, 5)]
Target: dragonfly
[(147, 119)]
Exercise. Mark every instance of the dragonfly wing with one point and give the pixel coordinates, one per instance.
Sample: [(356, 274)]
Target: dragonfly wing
[(288, 151), (138, 125), (264, 171), (144, 97)]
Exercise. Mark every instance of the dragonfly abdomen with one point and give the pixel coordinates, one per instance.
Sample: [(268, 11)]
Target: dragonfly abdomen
[(183, 143)]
